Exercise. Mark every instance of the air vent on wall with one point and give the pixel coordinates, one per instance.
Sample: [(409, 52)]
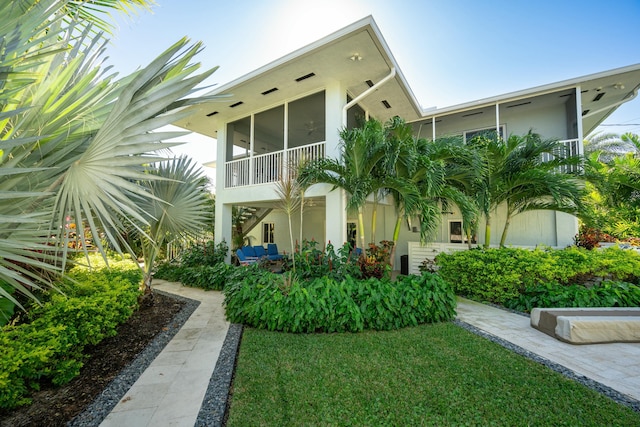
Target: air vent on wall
[(212, 114), (267, 92), (472, 114), (518, 105), (305, 77), (369, 83), (598, 96), (236, 104), (386, 104)]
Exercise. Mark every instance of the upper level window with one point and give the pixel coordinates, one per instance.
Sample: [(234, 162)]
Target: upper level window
[(268, 128), (307, 120)]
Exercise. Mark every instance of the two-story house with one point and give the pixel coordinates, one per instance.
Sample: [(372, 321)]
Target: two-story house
[(294, 107)]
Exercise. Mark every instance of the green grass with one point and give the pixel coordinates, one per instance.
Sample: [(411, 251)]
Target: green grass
[(437, 374)]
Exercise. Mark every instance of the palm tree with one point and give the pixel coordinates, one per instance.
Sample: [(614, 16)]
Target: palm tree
[(178, 207), (427, 176), (75, 141), (610, 145), (290, 193), (525, 173), (612, 199), (362, 151)]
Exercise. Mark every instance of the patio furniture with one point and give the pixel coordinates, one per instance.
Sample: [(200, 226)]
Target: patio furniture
[(260, 251), (272, 252), (245, 260), (589, 325), (249, 251)]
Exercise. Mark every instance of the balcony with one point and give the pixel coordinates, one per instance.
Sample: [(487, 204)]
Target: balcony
[(267, 168)]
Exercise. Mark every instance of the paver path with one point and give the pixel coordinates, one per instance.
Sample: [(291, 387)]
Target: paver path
[(616, 365), (171, 389)]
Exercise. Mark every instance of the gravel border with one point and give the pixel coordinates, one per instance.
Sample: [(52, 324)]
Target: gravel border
[(98, 410), (618, 397), (214, 404)]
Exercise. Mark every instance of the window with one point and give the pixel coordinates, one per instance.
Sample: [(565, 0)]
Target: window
[(490, 131), (307, 120), (267, 232), (455, 232)]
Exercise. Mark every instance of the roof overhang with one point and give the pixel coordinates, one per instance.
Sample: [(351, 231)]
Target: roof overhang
[(601, 93), (351, 56)]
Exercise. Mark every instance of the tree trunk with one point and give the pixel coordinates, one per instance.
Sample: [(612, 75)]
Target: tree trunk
[(374, 218), (487, 233), (361, 225), (396, 235), (503, 238)]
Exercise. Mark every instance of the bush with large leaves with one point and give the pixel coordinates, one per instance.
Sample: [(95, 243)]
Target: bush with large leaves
[(75, 141)]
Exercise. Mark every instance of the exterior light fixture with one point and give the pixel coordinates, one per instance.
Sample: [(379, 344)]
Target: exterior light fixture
[(355, 57)]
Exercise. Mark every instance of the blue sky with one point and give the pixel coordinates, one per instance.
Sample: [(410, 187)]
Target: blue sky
[(450, 51)]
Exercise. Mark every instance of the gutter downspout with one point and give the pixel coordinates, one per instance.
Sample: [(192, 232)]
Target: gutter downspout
[(364, 94)]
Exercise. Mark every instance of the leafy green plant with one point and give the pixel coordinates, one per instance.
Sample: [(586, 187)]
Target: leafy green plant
[(208, 253), (329, 305), (499, 275), (606, 294), (49, 345)]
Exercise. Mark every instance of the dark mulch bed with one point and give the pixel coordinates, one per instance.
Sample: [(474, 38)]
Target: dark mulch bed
[(55, 406)]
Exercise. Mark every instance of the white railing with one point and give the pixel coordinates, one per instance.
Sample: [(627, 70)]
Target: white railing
[(573, 149), (236, 173), (269, 167)]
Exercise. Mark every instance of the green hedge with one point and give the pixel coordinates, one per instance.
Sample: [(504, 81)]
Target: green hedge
[(500, 275), (606, 294), (209, 277), (275, 302), (50, 345)]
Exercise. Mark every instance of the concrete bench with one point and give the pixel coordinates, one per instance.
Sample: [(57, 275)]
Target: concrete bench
[(588, 325)]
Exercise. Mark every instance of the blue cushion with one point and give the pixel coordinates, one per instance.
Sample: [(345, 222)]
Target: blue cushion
[(272, 251), (249, 251), (260, 251)]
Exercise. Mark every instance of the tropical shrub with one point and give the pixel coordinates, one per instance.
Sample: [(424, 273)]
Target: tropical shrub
[(325, 304), (606, 294), (312, 262), (208, 277), (208, 253), (49, 346), (499, 275)]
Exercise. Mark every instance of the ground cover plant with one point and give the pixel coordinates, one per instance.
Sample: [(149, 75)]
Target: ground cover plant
[(504, 274), (47, 344), (199, 266), (436, 374), (275, 302)]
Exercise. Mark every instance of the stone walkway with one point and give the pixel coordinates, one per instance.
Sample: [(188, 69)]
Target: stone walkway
[(171, 390), (616, 365)]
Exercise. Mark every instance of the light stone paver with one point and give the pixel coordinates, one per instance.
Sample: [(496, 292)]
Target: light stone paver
[(170, 391), (616, 365)]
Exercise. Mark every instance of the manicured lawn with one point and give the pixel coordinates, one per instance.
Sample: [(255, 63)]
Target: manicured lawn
[(427, 375)]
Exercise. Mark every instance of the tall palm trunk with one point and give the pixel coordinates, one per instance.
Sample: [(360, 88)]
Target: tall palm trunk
[(361, 226), (396, 236), (487, 232)]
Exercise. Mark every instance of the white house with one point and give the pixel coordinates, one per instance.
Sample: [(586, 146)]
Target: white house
[(294, 107)]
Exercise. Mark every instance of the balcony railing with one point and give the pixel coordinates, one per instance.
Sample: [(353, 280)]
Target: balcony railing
[(573, 149), (267, 168)]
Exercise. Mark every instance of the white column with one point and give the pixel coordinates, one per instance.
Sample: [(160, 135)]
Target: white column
[(223, 225), (498, 121), (251, 151), (433, 128), (335, 209), (579, 119)]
